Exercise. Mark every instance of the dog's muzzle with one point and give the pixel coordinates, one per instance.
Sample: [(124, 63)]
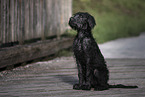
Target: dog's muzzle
[(71, 19)]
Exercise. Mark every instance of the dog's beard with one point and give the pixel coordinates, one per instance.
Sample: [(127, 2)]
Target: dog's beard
[(79, 26), (73, 26)]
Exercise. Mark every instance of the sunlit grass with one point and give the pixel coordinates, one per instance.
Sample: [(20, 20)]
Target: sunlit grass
[(114, 18)]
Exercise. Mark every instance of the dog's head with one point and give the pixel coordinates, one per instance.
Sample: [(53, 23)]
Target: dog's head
[(82, 21)]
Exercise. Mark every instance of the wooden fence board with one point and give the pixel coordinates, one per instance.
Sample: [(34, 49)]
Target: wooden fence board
[(1, 22), (16, 21), (23, 20), (7, 21), (12, 20), (4, 22), (26, 20)]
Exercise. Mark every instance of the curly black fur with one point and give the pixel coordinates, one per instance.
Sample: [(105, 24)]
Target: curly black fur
[(92, 68)]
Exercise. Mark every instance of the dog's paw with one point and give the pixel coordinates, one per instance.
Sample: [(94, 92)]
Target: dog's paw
[(76, 87), (86, 87)]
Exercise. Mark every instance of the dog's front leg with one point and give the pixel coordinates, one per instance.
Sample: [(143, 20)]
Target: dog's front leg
[(80, 75), (87, 85)]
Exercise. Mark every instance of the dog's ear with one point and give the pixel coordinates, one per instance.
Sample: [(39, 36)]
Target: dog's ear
[(91, 21)]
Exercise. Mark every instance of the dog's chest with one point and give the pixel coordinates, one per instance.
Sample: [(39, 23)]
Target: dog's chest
[(78, 46)]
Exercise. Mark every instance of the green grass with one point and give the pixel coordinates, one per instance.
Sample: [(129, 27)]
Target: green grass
[(114, 18)]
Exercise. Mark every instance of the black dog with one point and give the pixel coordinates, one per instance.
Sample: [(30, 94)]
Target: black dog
[(92, 69)]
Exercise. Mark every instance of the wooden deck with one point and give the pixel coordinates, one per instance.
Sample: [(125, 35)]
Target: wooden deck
[(55, 78)]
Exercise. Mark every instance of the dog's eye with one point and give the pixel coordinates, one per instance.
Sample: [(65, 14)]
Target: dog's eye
[(81, 16)]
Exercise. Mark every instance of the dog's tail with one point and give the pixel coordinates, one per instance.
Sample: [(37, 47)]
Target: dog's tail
[(122, 86)]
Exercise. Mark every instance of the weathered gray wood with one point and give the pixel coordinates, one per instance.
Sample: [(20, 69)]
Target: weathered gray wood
[(4, 21), (22, 53), (1, 22), (27, 19), (16, 21), (44, 19), (8, 34), (23, 20), (34, 18), (55, 78), (12, 20), (41, 21), (31, 4), (38, 28), (48, 4), (19, 32)]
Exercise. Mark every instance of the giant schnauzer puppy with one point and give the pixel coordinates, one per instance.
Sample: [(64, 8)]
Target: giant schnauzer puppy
[(92, 69)]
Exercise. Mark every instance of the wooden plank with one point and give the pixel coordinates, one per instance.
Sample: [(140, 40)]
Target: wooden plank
[(57, 5), (1, 22), (27, 19), (49, 17), (12, 20), (34, 19), (44, 18), (21, 22), (39, 80), (41, 21), (23, 53), (4, 21), (38, 28), (8, 34), (16, 21), (31, 4)]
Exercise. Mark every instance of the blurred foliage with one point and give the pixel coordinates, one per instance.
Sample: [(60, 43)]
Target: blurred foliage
[(114, 18)]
